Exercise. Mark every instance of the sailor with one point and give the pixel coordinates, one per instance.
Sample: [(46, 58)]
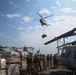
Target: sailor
[(55, 60)]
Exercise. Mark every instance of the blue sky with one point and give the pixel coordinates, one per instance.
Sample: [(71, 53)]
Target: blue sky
[(19, 22)]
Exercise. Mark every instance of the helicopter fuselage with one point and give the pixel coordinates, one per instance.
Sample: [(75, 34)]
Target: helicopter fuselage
[(42, 21), (68, 56)]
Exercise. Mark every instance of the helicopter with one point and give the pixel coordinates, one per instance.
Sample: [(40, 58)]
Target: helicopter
[(42, 20), (68, 56)]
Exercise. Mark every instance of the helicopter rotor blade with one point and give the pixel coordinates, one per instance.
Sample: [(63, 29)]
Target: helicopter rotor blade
[(49, 16), (39, 14)]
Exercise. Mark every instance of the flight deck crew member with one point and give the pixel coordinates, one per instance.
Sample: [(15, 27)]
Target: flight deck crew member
[(55, 61)]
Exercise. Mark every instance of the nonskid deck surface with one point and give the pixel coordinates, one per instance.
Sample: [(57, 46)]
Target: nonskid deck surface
[(57, 71), (50, 71)]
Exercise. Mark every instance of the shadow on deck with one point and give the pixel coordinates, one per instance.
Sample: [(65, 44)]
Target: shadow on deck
[(57, 73)]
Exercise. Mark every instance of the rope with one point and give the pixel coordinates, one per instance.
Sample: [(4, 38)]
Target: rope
[(43, 30)]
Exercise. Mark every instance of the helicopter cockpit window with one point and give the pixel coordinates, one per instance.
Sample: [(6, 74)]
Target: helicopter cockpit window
[(63, 53), (69, 54), (75, 54)]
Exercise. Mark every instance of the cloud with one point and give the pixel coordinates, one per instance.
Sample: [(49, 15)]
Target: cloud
[(44, 10), (20, 28), (65, 21), (35, 29), (8, 37), (22, 22), (53, 7), (2, 35), (68, 10), (58, 27), (12, 15), (26, 18), (16, 5), (29, 28), (13, 26), (30, 13), (32, 39), (28, 0), (74, 0), (38, 0), (58, 3), (11, 2)]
